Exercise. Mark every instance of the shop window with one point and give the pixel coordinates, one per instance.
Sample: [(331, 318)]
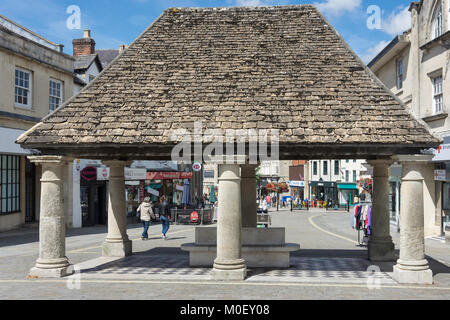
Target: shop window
[(336, 167), (9, 184), (354, 175), (315, 168), (347, 175), (446, 196), (325, 168)]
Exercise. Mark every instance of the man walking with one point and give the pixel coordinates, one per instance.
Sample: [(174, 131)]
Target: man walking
[(164, 215)]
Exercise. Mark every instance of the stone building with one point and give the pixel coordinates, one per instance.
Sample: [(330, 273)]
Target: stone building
[(235, 68), (36, 77), (415, 67)]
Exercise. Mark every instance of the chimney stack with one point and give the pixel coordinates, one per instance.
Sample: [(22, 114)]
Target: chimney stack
[(84, 46), (122, 48)]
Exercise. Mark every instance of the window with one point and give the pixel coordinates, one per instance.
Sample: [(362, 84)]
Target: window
[(347, 161), (336, 167), (437, 95), (437, 22), (325, 168), (346, 175), (354, 175), (9, 184), (315, 168), (55, 93), (399, 74), (22, 88)]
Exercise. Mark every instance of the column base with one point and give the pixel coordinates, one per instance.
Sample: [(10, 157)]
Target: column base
[(51, 273), (413, 272), (229, 270), (117, 249), (381, 250)]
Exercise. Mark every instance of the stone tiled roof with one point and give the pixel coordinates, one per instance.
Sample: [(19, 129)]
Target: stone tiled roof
[(106, 56), (281, 67)]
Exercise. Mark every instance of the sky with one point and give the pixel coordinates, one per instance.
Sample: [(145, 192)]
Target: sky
[(366, 25)]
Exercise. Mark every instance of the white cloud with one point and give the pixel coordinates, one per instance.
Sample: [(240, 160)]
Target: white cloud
[(397, 22), (337, 7), (373, 51)]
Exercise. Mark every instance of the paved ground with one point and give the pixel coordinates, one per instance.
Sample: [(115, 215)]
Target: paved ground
[(330, 265)]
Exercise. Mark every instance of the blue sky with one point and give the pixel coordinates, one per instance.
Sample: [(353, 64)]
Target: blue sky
[(121, 21)]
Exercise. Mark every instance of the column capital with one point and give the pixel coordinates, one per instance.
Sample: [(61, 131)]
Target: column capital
[(50, 159)]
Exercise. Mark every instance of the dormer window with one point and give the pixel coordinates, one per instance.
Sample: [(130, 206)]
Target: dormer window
[(437, 22)]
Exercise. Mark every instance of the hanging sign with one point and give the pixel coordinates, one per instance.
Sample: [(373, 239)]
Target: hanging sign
[(179, 187), (135, 173), (153, 191), (102, 174)]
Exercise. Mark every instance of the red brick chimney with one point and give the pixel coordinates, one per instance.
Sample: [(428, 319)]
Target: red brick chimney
[(85, 45)]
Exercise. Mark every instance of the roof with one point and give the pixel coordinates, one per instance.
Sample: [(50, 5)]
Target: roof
[(281, 67), (85, 61), (106, 56)]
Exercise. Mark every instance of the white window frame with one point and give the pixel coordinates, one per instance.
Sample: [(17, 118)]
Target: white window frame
[(438, 23), (61, 86), (438, 96), (30, 88), (399, 68)]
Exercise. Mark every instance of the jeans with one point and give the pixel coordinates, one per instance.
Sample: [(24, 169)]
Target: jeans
[(146, 226), (165, 224)]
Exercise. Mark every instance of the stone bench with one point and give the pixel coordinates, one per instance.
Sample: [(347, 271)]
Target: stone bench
[(260, 248)]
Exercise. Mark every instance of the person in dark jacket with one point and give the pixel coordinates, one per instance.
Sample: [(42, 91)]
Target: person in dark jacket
[(164, 215)]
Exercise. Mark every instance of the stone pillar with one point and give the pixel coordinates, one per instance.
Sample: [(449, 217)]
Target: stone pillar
[(412, 267), (229, 264), (52, 261), (248, 196), (381, 246), (117, 243)]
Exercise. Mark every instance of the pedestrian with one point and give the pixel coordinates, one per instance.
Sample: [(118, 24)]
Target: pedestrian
[(262, 206), (146, 212), (164, 216)]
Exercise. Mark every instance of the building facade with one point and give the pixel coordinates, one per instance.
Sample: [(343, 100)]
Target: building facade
[(414, 66), (337, 181), (36, 77)]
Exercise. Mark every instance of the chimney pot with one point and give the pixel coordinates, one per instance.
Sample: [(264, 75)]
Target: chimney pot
[(87, 33)]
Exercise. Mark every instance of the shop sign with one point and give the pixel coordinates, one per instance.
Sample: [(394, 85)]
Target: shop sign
[(102, 174), (89, 173), (440, 175), (298, 184), (168, 175), (194, 216), (197, 167), (135, 173), (153, 191)]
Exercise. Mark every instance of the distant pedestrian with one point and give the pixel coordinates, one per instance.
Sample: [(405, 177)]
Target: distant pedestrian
[(262, 206), (164, 215), (146, 212)]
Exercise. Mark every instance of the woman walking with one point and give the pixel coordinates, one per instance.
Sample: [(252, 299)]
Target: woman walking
[(164, 214), (146, 212)]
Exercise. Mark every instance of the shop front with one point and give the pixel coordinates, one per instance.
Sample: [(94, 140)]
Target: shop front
[(323, 193), (348, 194), (297, 189)]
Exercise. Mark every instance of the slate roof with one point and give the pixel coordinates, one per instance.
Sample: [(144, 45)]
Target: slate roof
[(281, 67), (106, 56), (84, 62)]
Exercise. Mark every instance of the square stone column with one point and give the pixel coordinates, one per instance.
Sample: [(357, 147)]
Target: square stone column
[(52, 261), (229, 264), (381, 246), (117, 243), (248, 196), (412, 267)]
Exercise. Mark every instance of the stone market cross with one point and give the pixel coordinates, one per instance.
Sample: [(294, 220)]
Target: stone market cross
[(283, 68)]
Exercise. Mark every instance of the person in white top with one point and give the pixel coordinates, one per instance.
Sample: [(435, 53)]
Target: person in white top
[(262, 205)]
